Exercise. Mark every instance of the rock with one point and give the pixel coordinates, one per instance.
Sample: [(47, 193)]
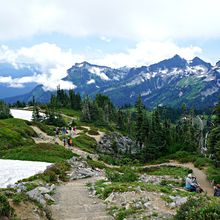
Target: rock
[(127, 206), (110, 198), (138, 205), (43, 190), (138, 189), (49, 198), (146, 205), (177, 201), (123, 144)]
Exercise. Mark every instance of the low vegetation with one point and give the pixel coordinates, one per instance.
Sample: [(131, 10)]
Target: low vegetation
[(39, 152), (199, 208), (52, 174), (166, 170), (85, 143), (15, 133)]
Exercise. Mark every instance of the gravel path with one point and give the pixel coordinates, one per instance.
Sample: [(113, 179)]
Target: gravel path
[(73, 202)]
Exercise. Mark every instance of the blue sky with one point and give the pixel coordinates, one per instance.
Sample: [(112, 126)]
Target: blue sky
[(55, 34)]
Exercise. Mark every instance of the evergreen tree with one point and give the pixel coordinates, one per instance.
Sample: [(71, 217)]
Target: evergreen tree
[(4, 111), (139, 123), (214, 138)]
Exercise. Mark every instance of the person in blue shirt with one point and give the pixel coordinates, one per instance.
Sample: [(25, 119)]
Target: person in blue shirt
[(190, 184)]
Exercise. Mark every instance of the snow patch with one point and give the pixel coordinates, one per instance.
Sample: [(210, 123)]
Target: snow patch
[(13, 170), (148, 92), (22, 114), (210, 91), (91, 81), (98, 71)]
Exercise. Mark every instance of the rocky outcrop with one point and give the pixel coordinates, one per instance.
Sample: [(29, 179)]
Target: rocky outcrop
[(80, 169), (115, 143), (42, 194), (158, 179)]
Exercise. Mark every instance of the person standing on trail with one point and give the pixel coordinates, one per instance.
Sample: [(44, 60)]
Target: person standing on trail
[(217, 190), (63, 130), (64, 141), (74, 129)]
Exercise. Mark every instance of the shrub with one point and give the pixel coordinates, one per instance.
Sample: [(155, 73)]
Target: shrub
[(201, 162), (5, 209), (128, 175), (19, 197), (199, 208)]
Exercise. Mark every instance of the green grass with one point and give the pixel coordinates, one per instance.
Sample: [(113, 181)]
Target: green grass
[(85, 143), (15, 133), (166, 170), (103, 190), (50, 130), (96, 164), (70, 112), (39, 152), (52, 174)]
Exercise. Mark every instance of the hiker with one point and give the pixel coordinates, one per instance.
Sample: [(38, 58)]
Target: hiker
[(74, 129), (190, 185), (64, 142), (196, 184), (63, 130), (217, 190), (70, 142)]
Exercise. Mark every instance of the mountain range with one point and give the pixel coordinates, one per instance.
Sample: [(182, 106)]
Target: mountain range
[(170, 82), (8, 72)]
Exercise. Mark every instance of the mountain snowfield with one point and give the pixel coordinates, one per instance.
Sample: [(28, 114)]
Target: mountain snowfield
[(13, 170), (170, 82)]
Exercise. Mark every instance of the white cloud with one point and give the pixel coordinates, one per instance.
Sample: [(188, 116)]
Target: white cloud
[(147, 52), (52, 60), (135, 19), (106, 39)]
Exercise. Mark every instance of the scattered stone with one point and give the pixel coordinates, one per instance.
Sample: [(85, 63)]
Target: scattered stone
[(177, 201), (158, 179), (110, 197)]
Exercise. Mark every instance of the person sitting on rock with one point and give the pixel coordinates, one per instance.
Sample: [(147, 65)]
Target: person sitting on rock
[(190, 184), (217, 190)]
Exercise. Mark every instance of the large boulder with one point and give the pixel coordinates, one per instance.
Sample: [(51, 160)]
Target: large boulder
[(115, 143)]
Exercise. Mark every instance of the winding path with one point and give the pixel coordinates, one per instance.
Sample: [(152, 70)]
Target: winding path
[(200, 175)]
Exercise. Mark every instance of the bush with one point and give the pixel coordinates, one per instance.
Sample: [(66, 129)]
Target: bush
[(201, 208), (5, 209), (201, 162), (19, 197), (128, 175)]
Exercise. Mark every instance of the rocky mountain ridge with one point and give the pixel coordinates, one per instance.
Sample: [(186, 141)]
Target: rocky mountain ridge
[(170, 82)]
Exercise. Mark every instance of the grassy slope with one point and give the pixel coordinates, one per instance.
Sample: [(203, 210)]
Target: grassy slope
[(16, 143), (39, 152), (85, 142), (15, 133)]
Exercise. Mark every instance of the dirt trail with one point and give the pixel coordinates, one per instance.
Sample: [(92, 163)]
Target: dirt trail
[(73, 202), (45, 138), (200, 175)]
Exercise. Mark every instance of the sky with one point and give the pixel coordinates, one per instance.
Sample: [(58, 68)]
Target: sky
[(55, 34)]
